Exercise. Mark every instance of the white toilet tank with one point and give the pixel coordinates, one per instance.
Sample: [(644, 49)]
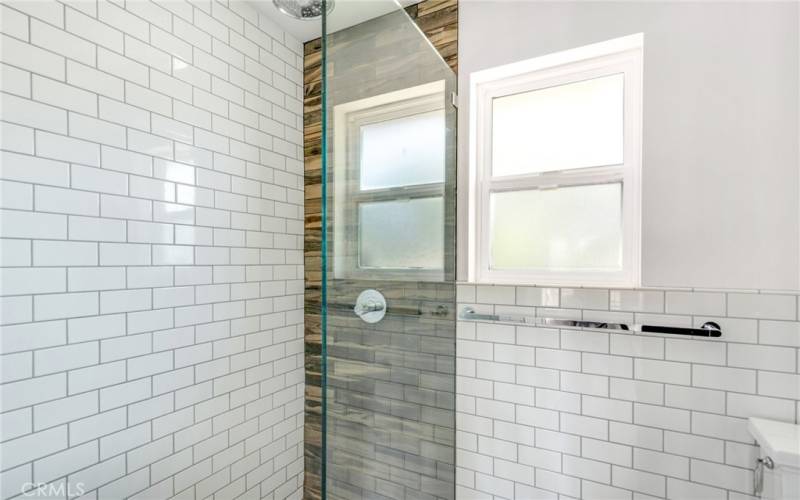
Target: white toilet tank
[(781, 483), (777, 473)]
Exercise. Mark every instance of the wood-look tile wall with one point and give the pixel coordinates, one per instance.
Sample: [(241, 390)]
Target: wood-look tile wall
[(438, 19)]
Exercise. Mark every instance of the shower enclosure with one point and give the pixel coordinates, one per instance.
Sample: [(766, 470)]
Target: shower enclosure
[(387, 290)]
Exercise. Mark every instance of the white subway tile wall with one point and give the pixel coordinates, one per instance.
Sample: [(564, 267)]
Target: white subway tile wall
[(544, 413), (151, 248)]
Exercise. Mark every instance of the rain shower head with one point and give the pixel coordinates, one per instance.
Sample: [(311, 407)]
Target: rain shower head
[(305, 10)]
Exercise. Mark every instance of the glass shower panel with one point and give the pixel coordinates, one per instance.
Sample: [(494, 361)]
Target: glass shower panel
[(389, 128)]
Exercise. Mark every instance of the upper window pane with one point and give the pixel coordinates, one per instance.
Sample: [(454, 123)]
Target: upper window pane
[(575, 125), (404, 151), (564, 229)]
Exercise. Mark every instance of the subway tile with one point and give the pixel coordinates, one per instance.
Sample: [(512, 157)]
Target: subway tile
[(16, 195), (98, 425), (696, 303), (96, 229), (583, 340), (126, 161), (13, 367), (762, 306), (64, 253), (67, 149), (602, 364), (15, 81), (14, 23), (782, 385), (694, 446), (95, 278), (584, 298), (608, 452), (127, 69), (691, 398), (27, 337), (686, 489), (64, 410), (124, 301), (15, 252), (610, 409), (562, 360), (721, 427), (65, 305), (636, 301), (723, 476), (489, 294), (26, 281), (723, 378), (637, 346), (122, 254), (148, 144), (33, 59), (636, 435), (33, 446), (696, 351), (785, 333), (67, 201), (16, 309), (61, 42), (171, 129), (171, 87), (558, 400), (747, 405), (587, 469), (33, 114), (662, 371), (64, 96), (661, 417), (762, 357), (92, 129), (584, 426), (121, 19), (661, 463), (16, 138), (585, 384), (86, 27), (566, 485), (147, 54), (639, 481), (26, 168), (96, 377)]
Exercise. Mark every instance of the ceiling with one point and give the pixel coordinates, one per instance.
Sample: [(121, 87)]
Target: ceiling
[(345, 13)]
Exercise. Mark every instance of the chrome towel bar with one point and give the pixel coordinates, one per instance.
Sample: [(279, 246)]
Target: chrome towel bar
[(709, 328)]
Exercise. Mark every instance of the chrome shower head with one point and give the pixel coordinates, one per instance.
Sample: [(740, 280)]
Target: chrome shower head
[(305, 10)]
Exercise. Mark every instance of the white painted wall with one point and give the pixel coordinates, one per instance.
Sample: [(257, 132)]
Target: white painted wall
[(151, 223), (721, 174)]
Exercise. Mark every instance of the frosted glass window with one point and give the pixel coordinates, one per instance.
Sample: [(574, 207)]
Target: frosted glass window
[(570, 228), (404, 151), (575, 125), (402, 234)]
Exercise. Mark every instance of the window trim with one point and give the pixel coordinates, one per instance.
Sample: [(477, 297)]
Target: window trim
[(622, 55), (348, 118)]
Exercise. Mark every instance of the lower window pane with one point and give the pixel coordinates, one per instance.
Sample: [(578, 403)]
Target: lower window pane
[(563, 229), (402, 234)]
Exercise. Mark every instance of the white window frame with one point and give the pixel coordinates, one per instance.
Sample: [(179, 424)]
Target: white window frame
[(622, 55), (348, 119)]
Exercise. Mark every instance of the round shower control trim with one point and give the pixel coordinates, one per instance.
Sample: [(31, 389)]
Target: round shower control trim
[(370, 306)]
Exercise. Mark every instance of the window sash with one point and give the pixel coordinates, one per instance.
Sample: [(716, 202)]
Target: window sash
[(354, 195), (627, 63)]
